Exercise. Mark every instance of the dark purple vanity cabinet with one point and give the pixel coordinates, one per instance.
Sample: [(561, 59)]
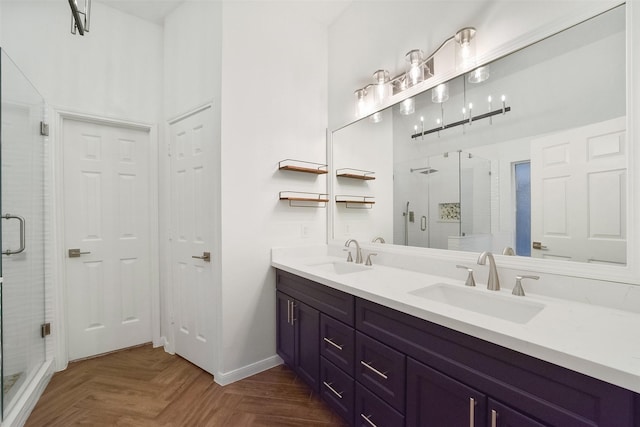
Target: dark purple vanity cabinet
[(437, 400), (536, 389), (297, 343), (380, 367)]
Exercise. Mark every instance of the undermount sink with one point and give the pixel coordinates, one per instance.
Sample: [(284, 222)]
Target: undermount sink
[(513, 309), (341, 267)]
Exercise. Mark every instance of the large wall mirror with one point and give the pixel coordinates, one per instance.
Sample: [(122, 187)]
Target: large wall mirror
[(527, 154)]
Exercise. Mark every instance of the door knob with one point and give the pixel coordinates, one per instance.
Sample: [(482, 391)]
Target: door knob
[(538, 245), (206, 256), (75, 253)]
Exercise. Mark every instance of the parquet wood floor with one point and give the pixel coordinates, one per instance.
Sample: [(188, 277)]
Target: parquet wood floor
[(144, 386)]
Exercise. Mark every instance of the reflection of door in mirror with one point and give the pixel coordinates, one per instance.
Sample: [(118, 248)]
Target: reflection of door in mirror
[(579, 178)]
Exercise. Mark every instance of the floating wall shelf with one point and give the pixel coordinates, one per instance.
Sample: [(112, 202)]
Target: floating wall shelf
[(299, 199), (356, 202), (355, 174), (302, 166)]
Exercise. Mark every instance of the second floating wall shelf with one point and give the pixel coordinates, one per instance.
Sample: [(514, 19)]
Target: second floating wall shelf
[(355, 174)]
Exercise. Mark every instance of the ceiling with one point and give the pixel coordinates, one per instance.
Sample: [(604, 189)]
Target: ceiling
[(149, 10), (323, 11)]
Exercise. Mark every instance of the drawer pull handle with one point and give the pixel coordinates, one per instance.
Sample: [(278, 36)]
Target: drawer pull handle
[(365, 364), (333, 390), (364, 417), (494, 418), (328, 340), (472, 409)]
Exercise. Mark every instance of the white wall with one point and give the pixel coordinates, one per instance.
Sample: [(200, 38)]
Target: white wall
[(114, 71), (264, 63), (274, 107)]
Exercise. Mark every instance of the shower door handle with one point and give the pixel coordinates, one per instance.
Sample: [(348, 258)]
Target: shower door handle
[(22, 234), (423, 223)]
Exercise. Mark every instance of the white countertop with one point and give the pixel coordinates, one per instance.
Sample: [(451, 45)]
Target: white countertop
[(597, 341)]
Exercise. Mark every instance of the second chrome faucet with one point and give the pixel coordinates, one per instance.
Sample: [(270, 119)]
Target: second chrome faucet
[(358, 250), (493, 282)]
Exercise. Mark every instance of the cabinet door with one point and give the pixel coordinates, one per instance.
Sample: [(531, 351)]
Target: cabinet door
[(285, 336), (306, 320), (434, 399), (502, 416)]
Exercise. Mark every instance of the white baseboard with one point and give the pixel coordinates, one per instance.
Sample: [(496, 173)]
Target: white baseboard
[(164, 342), (19, 413), (246, 371)]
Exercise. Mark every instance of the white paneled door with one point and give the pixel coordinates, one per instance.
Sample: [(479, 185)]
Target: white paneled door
[(578, 194), (107, 248), (193, 194)]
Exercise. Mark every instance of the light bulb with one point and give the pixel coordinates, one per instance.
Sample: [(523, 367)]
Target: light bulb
[(415, 73)]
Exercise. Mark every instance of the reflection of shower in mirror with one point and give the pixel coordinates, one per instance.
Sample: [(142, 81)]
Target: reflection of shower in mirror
[(426, 170)]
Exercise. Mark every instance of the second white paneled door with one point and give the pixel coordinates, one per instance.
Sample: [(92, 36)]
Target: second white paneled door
[(193, 195), (106, 212)]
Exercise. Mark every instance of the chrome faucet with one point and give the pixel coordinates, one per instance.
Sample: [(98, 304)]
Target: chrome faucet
[(378, 239), (358, 250), (493, 282)]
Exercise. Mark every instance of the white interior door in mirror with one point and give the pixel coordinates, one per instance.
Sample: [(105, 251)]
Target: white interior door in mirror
[(578, 193)]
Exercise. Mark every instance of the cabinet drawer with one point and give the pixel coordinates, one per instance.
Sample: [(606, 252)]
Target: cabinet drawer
[(336, 388), (335, 303), (337, 342), (371, 411), (381, 369)]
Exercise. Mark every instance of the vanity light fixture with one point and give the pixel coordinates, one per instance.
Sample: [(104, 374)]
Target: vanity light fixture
[(382, 86), (362, 107), (465, 48), (440, 93), (418, 70), (408, 106), (80, 17), (416, 67), (479, 75)]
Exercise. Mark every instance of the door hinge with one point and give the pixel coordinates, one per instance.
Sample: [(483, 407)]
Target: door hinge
[(44, 129), (45, 329)]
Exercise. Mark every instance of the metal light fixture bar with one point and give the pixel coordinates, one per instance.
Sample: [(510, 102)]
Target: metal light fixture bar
[(460, 35), (503, 110)]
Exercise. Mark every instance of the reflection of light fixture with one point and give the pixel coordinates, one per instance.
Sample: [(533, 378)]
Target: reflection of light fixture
[(408, 106), (465, 48), (479, 75), (415, 73), (418, 70), (375, 117), (80, 17), (382, 86), (440, 93)]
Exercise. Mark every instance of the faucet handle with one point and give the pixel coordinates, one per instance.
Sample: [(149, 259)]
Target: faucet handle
[(517, 289), (470, 280), (368, 261), (349, 257)]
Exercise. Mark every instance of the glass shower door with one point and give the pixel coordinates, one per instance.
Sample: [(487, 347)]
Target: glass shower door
[(22, 238)]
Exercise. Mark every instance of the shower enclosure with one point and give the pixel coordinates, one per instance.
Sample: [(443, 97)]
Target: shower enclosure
[(22, 309), (443, 201)]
